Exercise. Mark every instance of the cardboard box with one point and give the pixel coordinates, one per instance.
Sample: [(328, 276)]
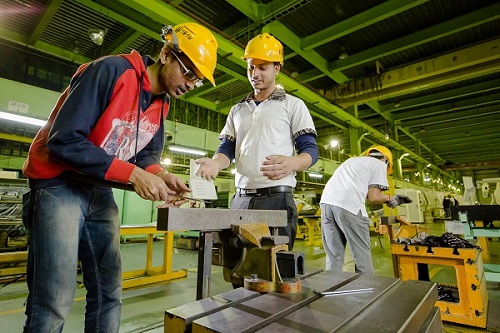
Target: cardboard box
[(187, 243)]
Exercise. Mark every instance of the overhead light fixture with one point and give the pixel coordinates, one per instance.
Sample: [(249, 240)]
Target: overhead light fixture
[(343, 54), (334, 143), (97, 35), (315, 175), (22, 119), (400, 164), (187, 150)]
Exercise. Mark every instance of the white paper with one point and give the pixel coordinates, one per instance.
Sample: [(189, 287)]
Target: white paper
[(201, 188), (456, 228)]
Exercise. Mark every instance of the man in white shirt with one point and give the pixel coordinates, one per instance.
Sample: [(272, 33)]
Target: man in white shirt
[(344, 219), (270, 135)]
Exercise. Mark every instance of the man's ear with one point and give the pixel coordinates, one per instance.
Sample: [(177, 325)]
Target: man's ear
[(164, 54), (277, 68)]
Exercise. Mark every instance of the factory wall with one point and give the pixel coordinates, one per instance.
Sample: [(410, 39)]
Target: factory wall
[(36, 102)]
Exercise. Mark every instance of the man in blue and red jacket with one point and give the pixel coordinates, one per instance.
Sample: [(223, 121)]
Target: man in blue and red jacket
[(107, 125)]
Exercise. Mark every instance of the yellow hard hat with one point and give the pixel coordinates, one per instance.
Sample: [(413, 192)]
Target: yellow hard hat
[(197, 43), (380, 151), (264, 47)]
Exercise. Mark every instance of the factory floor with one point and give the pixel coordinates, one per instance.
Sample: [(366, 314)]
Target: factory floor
[(144, 307)]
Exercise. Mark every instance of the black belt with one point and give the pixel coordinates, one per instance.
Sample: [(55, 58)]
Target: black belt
[(266, 190)]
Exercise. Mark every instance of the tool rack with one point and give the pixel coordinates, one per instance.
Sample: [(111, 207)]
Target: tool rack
[(472, 305)]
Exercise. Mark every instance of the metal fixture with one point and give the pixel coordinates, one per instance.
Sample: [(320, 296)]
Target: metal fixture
[(97, 35)]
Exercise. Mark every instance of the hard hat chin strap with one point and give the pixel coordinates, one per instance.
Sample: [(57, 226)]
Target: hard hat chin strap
[(165, 31)]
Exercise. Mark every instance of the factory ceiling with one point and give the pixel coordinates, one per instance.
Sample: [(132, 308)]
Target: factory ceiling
[(420, 76)]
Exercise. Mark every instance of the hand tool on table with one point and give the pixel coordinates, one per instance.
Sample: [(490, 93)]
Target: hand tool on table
[(343, 292)]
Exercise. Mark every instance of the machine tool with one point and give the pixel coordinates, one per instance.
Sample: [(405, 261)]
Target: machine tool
[(264, 264), (327, 301)]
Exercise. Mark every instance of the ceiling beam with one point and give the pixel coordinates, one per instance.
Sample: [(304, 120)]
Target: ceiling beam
[(441, 96), (358, 22), (441, 30), (471, 116), (462, 64), (51, 8)]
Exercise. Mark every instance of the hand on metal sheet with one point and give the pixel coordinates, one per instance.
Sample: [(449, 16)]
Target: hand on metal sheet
[(277, 166)]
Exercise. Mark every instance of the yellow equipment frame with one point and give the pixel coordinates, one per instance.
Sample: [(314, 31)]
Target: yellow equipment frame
[(472, 308), (150, 274)]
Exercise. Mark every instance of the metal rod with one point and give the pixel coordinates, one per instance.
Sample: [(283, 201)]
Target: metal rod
[(344, 292)]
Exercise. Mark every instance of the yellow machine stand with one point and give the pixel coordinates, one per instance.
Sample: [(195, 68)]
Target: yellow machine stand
[(150, 274), (472, 306)]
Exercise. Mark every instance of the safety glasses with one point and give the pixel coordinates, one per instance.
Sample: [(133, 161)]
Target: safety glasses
[(189, 74)]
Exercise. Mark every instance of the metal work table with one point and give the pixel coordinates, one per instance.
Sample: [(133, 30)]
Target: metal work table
[(391, 306)]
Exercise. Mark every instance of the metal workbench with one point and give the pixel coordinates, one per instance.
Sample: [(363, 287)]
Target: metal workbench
[(392, 306)]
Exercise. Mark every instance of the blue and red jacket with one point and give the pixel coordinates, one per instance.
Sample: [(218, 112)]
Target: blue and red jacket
[(93, 126)]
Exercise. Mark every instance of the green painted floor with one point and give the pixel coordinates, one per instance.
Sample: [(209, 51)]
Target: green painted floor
[(143, 308)]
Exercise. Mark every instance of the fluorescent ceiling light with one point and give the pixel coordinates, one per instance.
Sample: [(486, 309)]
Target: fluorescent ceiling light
[(315, 175), (187, 150), (22, 119)]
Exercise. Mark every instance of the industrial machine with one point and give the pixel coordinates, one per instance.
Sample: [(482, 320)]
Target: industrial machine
[(413, 211), (329, 302), (235, 228), (264, 262), (326, 301)]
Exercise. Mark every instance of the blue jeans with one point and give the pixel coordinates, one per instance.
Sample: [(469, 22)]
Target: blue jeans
[(67, 224)]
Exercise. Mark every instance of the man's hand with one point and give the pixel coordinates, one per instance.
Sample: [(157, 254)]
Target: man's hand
[(397, 200), (209, 168), (149, 186), (175, 184), (277, 166)]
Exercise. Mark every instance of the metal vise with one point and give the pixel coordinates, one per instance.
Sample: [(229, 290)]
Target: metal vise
[(259, 261)]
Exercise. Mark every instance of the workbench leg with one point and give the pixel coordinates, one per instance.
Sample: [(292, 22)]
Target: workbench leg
[(204, 265), (149, 254), (168, 252)]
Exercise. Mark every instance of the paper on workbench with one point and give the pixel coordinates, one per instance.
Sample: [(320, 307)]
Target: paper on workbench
[(201, 188)]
